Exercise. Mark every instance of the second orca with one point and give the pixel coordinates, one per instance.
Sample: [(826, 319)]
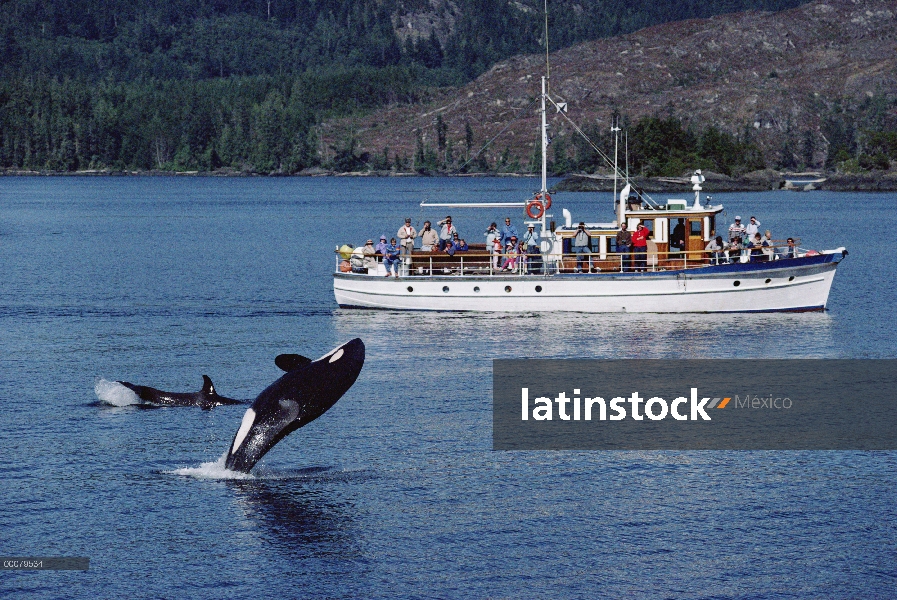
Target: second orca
[(206, 398)]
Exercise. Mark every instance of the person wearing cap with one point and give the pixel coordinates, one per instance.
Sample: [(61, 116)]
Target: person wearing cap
[(736, 229), (428, 237), (507, 230), (451, 246), (381, 247), (533, 255), (446, 234), (370, 256), (460, 245), (512, 253), (581, 246), (406, 234)]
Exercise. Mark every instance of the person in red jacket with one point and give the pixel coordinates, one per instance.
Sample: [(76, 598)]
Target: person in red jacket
[(640, 247)]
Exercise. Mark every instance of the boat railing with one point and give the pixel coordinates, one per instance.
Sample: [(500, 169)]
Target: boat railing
[(426, 264)]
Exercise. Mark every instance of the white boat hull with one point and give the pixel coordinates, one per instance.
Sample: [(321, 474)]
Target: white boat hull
[(787, 285)]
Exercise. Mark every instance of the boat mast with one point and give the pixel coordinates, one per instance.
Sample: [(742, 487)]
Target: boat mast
[(544, 133), (616, 130)]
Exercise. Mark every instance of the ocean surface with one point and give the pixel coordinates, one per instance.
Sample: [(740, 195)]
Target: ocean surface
[(395, 492)]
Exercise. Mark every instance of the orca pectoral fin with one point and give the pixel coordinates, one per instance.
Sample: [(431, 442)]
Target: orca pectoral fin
[(288, 362)]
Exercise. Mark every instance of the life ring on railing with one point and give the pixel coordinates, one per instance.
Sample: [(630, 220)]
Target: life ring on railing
[(545, 199), (535, 204)]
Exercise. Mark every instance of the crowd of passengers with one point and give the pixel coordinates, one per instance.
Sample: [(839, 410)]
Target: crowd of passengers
[(747, 244), (508, 250)]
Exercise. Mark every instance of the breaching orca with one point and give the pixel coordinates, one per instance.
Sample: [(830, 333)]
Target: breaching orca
[(302, 395), (206, 398)]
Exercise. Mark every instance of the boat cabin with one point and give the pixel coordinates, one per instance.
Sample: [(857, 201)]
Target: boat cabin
[(699, 227)]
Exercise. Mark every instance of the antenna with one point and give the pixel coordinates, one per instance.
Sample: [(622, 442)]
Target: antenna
[(547, 68)]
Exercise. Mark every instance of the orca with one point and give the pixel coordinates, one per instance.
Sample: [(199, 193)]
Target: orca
[(206, 398), (305, 392)]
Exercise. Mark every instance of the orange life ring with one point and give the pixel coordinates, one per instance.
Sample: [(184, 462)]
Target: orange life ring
[(546, 197), (538, 206)]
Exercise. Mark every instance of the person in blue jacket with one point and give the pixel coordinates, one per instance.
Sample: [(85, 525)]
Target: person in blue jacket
[(507, 232), (391, 257)]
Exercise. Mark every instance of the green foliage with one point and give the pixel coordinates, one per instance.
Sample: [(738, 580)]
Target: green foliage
[(205, 84)]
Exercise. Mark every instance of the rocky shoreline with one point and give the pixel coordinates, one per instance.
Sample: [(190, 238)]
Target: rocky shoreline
[(758, 181)]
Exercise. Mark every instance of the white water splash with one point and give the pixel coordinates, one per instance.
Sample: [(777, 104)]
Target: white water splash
[(211, 470), (114, 393)]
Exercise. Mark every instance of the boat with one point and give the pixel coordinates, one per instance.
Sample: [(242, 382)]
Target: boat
[(597, 278)]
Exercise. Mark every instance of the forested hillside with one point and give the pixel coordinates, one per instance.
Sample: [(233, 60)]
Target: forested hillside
[(242, 84)]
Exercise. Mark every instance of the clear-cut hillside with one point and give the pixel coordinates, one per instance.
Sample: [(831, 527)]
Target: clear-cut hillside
[(777, 74)]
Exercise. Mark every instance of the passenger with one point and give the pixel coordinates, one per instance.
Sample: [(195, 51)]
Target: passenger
[(406, 234), (581, 247), (428, 237), (624, 246), (507, 231), (447, 232), (492, 235), (391, 258), (640, 247), (715, 247), (356, 260), (677, 239), (791, 250), (735, 249), (370, 256), (752, 228), (756, 247), (768, 248), (496, 252), (736, 229), (530, 245), (462, 246), (512, 253), (381, 247)]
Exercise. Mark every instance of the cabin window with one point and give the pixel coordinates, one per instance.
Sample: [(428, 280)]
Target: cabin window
[(695, 228)]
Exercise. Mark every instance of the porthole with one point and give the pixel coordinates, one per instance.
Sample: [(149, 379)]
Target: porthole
[(538, 288), (476, 288), (410, 289), (791, 278), (445, 289), (737, 283), (769, 281), (508, 288)]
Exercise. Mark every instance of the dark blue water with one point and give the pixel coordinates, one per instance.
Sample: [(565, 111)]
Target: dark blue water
[(395, 492)]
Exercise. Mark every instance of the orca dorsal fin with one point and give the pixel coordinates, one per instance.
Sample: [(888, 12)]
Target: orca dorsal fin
[(288, 362), (207, 386)]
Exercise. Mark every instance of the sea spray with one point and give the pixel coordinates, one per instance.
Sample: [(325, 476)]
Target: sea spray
[(114, 393)]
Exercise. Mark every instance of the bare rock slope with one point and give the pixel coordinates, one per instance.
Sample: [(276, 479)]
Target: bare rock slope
[(772, 72)]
